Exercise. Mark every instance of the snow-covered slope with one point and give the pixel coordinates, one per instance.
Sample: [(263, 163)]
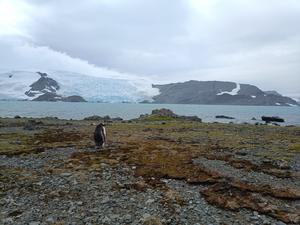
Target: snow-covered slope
[(14, 85)]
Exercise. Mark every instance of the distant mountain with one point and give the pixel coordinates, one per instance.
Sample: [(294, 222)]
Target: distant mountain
[(272, 93), (73, 87), (219, 93)]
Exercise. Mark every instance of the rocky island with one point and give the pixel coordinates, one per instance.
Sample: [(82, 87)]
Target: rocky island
[(157, 169)]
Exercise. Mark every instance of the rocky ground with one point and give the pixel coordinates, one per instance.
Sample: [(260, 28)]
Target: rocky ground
[(153, 171)]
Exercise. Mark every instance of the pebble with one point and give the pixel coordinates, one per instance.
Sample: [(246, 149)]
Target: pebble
[(83, 200), (105, 200), (66, 174), (34, 223), (50, 219), (127, 217), (79, 203), (150, 201), (280, 223), (106, 220)]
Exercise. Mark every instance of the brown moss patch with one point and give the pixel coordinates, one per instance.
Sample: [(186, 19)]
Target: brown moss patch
[(286, 193), (59, 138), (11, 178), (167, 151), (265, 167), (163, 151), (230, 197), (91, 160)]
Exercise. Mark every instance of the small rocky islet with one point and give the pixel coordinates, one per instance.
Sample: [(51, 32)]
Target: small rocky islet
[(157, 169)]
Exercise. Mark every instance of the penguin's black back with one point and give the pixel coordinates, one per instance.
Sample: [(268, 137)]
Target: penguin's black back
[(99, 135)]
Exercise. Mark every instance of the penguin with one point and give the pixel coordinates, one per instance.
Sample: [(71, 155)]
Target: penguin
[(100, 136)]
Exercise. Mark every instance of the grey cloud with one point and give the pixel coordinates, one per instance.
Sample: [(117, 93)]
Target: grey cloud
[(250, 41), (117, 35)]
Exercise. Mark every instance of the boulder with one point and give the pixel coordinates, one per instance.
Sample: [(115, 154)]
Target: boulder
[(103, 118), (117, 119), (169, 113), (269, 119), (164, 112), (224, 117), (191, 118), (95, 117)]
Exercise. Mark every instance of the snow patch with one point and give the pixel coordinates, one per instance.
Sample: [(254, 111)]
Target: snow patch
[(234, 91), (277, 103), (16, 86), (292, 105), (253, 96)]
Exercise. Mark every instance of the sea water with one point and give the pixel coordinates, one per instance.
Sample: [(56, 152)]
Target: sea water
[(80, 110)]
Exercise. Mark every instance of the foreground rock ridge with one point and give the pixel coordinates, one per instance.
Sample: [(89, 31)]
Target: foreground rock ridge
[(160, 168)]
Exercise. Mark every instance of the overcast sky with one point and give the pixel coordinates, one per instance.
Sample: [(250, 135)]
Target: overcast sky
[(248, 41)]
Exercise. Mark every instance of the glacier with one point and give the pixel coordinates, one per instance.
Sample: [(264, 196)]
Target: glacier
[(14, 84)]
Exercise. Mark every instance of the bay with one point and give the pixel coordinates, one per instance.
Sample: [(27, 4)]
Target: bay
[(80, 110)]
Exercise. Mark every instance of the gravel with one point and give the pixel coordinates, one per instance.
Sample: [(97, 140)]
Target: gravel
[(250, 177), (103, 197)]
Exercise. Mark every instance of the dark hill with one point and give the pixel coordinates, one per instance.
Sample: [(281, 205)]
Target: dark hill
[(218, 92)]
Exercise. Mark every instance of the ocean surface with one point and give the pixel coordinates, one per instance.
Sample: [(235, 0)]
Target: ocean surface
[(68, 110)]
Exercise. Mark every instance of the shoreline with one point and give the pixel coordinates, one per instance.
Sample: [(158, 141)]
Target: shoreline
[(131, 111)]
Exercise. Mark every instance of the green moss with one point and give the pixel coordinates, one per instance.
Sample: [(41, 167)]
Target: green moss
[(295, 147), (13, 143), (152, 118), (13, 177), (262, 141)]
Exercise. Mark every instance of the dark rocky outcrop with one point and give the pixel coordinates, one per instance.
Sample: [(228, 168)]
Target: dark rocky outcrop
[(224, 117), (95, 117), (73, 98), (164, 112), (52, 97), (32, 125), (43, 85), (103, 118), (161, 114), (191, 118), (49, 97), (269, 119), (45, 89)]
